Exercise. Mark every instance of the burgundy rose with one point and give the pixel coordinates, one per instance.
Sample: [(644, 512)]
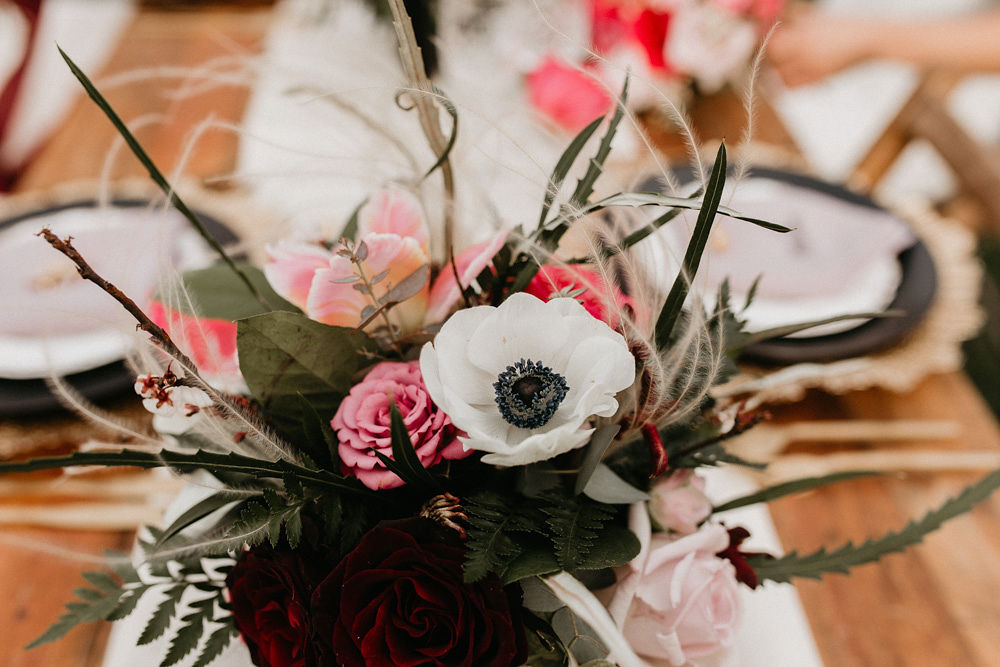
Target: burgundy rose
[(269, 591), (399, 599)]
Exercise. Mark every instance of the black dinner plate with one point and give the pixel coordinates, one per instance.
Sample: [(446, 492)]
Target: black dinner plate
[(914, 295), (29, 397)]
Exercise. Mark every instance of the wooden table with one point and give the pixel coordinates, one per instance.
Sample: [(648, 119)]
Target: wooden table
[(938, 604), (35, 585)]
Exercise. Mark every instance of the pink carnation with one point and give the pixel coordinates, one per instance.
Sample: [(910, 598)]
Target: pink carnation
[(601, 300), (363, 423)]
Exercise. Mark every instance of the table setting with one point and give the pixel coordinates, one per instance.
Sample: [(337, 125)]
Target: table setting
[(361, 349)]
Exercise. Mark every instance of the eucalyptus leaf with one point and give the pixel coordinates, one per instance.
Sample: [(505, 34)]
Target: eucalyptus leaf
[(532, 563), (408, 286), (606, 486), (599, 443)]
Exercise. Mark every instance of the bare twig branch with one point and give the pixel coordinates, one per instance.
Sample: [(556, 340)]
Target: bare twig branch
[(423, 99), (156, 332)]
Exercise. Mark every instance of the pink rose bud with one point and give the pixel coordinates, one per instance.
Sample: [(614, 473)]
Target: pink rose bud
[(678, 502)]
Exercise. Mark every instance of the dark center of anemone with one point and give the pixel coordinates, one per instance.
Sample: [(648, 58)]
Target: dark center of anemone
[(529, 393)]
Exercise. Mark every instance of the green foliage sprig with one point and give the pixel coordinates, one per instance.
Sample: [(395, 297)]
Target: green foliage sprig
[(818, 563)]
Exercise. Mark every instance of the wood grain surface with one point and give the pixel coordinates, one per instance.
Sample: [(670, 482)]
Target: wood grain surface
[(34, 584)]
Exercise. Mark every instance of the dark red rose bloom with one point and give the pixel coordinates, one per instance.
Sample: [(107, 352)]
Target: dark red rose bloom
[(398, 600), (269, 590), (744, 573)]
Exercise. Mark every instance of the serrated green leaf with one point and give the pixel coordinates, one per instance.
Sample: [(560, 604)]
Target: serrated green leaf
[(212, 462), (159, 622), (284, 354), (696, 248), (274, 529), (197, 512), (127, 603), (815, 565), (89, 594), (616, 546), (103, 581), (794, 486), (293, 527), (95, 606), (216, 644), (585, 186), (490, 545), (186, 640), (564, 164), (574, 527)]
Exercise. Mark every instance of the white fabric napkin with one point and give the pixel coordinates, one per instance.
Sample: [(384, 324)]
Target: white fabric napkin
[(88, 30)]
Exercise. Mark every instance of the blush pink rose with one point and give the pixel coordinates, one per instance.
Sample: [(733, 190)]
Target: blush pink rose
[(363, 422), (603, 301), (679, 503), (677, 603), (567, 95), (445, 291)]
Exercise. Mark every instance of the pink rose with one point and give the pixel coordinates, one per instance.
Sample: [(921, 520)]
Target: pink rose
[(678, 502), (567, 95), (363, 423), (603, 301), (677, 601)]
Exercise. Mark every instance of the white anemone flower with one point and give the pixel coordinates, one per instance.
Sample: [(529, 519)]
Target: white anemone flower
[(524, 380)]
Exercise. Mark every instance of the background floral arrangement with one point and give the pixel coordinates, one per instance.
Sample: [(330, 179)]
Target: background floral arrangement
[(671, 44), (486, 460)]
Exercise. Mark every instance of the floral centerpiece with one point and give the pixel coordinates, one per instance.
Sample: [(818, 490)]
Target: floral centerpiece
[(490, 460)]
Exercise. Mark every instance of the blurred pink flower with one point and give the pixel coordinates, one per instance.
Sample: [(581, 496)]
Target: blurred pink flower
[(211, 343), (603, 301), (566, 95), (677, 601), (445, 291), (339, 304), (392, 227), (290, 268), (678, 502), (363, 423), (711, 45)]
